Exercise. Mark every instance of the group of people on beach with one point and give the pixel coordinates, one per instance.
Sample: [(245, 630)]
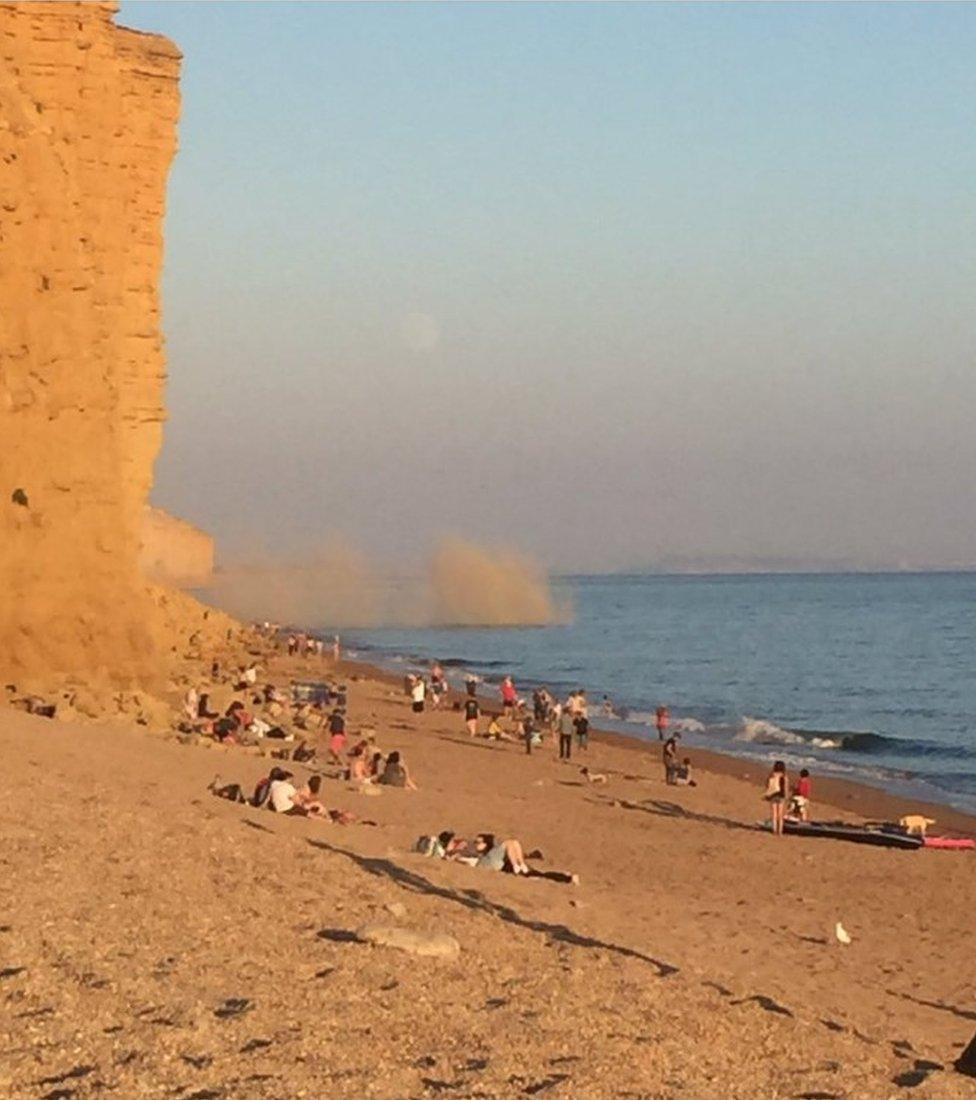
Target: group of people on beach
[(306, 645), (265, 711), (786, 800)]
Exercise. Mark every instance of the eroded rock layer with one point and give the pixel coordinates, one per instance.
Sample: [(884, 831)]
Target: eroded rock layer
[(88, 114)]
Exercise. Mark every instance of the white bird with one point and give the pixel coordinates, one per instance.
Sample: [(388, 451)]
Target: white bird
[(843, 936)]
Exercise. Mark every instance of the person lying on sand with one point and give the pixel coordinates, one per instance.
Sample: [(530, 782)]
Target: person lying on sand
[(396, 774), (508, 856), (592, 777), (234, 793), (277, 792)]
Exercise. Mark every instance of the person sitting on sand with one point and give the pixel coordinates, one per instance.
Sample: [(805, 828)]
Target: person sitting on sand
[(396, 774), (777, 784), (359, 769), (495, 730), (203, 708), (682, 774), (282, 796), (226, 728), (308, 797), (800, 800), (190, 703)]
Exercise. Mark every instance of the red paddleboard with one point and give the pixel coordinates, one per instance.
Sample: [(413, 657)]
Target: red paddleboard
[(948, 842)]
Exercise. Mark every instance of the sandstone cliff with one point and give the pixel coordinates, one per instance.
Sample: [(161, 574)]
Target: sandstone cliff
[(88, 115)]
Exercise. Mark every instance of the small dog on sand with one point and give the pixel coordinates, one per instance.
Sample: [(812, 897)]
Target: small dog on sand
[(592, 777), (915, 824)]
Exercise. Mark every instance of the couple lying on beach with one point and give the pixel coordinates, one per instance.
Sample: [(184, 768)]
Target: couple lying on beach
[(277, 792), (489, 853)]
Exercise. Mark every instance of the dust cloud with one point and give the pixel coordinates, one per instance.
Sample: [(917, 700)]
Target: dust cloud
[(474, 586), (462, 584), (339, 587)]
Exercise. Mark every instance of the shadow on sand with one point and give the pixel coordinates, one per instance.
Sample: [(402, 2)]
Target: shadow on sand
[(660, 808), (473, 899)]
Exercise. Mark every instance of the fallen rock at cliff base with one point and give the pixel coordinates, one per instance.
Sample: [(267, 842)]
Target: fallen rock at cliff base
[(434, 945)]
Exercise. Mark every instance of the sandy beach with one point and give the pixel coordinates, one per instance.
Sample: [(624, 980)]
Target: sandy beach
[(159, 941)]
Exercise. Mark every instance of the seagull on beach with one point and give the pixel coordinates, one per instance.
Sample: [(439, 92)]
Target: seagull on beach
[(843, 936)]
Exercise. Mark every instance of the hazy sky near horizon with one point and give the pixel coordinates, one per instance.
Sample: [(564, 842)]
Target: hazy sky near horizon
[(611, 283)]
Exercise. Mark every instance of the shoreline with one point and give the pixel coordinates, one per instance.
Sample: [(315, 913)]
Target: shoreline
[(687, 925), (849, 797)]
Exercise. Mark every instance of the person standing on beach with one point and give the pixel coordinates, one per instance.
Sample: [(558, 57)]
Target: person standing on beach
[(471, 684), (541, 698), (566, 723), (438, 685), (777, 785), (337, 732), (529, 734), (418, 693), (662, 719), (472, 712), (509, 695), (669, 753), (582, 731), (336, 650)]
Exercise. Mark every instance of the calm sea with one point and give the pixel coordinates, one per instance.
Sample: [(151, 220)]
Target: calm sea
[(866, 676)]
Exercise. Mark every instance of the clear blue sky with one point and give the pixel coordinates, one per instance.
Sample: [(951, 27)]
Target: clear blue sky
[(609, 282)]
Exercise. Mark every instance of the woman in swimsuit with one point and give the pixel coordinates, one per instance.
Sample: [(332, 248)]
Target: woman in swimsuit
[(777, 785)]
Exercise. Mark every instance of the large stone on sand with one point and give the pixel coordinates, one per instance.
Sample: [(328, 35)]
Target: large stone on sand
[(434, 945)]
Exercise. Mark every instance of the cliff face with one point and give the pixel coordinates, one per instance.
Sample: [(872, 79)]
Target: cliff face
[(88, 115)]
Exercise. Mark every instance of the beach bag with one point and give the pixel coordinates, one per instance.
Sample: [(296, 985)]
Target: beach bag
[(429, 846)]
